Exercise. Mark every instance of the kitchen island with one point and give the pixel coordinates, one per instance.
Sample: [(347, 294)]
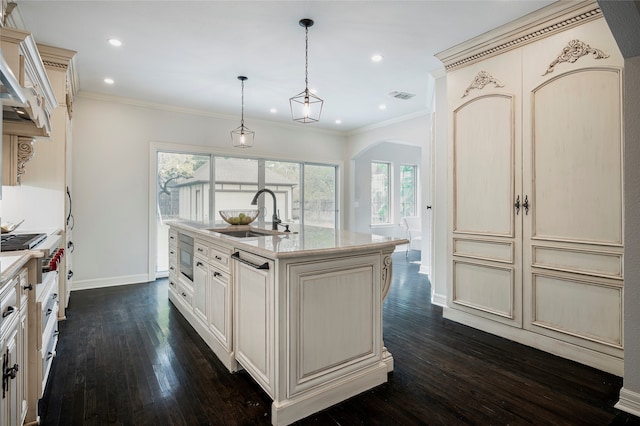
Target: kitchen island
[(301, 311)]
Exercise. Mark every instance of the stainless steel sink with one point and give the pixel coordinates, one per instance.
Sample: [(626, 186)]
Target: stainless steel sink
[(248, 233)]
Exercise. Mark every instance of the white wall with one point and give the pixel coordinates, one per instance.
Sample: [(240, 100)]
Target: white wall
[(111, 143), (440, 199)]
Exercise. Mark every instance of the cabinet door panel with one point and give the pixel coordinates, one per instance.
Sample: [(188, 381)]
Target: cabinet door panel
[(200, 279), (483, 155), (577, 169), (220, 306)]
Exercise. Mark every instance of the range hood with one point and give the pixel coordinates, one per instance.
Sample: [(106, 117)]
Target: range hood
[(27, 96), (10, 90)]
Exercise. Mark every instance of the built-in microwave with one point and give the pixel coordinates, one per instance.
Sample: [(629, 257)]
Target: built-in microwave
[(185, 253)]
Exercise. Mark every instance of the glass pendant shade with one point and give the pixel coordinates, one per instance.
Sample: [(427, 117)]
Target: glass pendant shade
[(305, 106), (242, 137)]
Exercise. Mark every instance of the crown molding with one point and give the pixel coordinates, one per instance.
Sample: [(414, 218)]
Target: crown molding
[(422, 113), (57, 57), (542, 23)]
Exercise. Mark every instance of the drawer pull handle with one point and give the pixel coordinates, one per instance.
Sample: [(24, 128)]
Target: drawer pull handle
[(49, 311), (70, 246), (172, 283), (28, 287), (51, 355), (70, 274), (218, 258), (9, 311), (237, 257), (184, 294), (199, 264), (217, 274), (54, 296), (200, 250), (56, 333)]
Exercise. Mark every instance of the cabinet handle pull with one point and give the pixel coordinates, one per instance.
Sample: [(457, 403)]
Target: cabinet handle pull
[(218, 258), (9, 311), (526, 204), (49, 312), (237, 257), (200, 250), (172, 283), (51, 354), (517, 205), (28, 287), (70, 246), (199, 264), (70, 274), (184, 294), (216, 274)]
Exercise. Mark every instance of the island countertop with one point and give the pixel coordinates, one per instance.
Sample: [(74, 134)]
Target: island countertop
[(301, 241)]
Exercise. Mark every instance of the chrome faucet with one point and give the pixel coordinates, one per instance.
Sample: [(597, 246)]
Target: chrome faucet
[(275, 220)]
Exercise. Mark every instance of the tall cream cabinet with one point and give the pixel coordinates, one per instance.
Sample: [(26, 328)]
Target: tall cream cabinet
[(59, 64), (535, 184)]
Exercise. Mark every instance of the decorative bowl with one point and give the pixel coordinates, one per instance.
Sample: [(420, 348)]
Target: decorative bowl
[(239, 217)]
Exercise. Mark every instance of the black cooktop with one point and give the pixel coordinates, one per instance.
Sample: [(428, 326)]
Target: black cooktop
[(13, 242)]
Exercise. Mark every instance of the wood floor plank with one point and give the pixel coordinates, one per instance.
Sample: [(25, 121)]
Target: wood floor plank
[(126, 356)]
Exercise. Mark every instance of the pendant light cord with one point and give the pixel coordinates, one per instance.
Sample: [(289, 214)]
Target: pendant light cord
[(242, 113), (306, 59)]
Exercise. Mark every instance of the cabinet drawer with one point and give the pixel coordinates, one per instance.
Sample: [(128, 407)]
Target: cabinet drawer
[(173, 262), (173, 238), (185, 294), (219, 258), (201, 249), (23, 286), (9, 303), (50, 328)]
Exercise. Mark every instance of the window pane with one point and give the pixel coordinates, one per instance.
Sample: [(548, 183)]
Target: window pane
[(380, 193), (236, 183), (408, 190), (283, 178), (320, 195), (182, 193)]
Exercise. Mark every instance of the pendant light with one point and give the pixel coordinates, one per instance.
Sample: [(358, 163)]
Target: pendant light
[(242, 137), (305, 106)]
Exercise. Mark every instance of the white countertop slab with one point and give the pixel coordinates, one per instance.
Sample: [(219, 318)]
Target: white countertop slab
[(307, 240)]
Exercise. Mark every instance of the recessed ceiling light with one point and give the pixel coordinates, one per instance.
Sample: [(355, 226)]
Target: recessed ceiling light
[(382, 106), (115, 42), (338, 121), (273, 110), (109, 81), (376, 58)]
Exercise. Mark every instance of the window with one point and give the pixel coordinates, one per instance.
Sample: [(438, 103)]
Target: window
[(196, 186), (320, 195), (380, 193), (182, 192), (408, 190)]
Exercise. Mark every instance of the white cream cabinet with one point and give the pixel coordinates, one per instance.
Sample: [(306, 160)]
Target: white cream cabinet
[(535, 174)]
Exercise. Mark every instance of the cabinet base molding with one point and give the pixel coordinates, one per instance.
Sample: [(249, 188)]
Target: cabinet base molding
[(629, 402), (601, 361), (228, 360), (290, 410)]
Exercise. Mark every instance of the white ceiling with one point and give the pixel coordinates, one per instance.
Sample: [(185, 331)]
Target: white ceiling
[(188, 54)]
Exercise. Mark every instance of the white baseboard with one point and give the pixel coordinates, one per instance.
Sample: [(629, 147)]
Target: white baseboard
[(629, 402), (439, 299), (110, 282)]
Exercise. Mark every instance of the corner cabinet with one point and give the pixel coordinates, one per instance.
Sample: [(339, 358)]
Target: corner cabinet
[(535, 173)]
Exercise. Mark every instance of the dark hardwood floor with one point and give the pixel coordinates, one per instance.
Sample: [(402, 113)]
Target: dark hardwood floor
[(126, 356)]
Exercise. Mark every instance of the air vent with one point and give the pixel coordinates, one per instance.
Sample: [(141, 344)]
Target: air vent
[(401, 95)]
